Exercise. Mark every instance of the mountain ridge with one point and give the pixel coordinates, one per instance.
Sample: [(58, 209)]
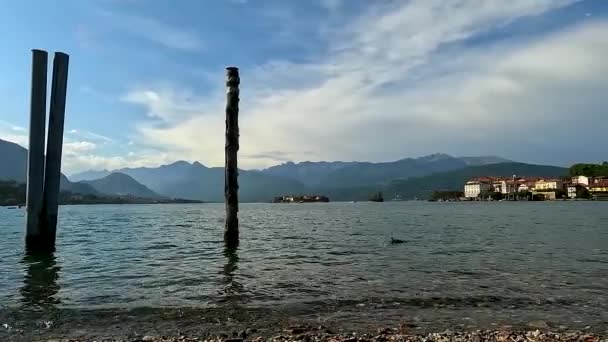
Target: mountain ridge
[(406, 177), (16, 170), (120, 184), (196, 181)]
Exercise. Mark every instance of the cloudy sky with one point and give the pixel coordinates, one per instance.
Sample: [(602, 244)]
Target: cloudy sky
[(320, 79)]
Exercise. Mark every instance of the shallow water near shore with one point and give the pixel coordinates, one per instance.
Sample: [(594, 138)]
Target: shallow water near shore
[(463, 265)]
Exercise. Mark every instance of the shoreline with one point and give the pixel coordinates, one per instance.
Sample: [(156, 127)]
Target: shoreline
[(271, 324), (322, 333)]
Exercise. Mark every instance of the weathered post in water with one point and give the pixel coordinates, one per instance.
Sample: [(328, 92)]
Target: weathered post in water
[(35, 159), (231, 186), (54, 146)]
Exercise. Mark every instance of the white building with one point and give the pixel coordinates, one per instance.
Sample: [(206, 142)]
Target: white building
[(582, 180), (571, 190), (505, 186), (473, 188), (549, 184)]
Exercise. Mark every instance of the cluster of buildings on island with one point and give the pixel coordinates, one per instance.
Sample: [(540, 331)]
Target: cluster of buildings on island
[(300, 199), (548, 188)]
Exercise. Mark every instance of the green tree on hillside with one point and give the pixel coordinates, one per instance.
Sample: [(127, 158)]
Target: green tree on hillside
[(591, 170)]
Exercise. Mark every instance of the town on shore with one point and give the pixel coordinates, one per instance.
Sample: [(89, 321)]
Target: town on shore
[(536, 188)]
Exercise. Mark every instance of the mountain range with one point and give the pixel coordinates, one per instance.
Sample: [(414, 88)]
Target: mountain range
[(13, 167), (347, 174), (196, 181), (354, 180)]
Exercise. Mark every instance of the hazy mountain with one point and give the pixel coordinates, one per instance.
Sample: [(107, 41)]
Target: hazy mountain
[(381, 173), (119, 184), (158, 178), (13, 166), (89, 175), (349, 174), (309, 173), (484, 160), (13, 161), (180, 180), (196, 181), (338, 180), (342, 179), (422, 187), (76, 187)]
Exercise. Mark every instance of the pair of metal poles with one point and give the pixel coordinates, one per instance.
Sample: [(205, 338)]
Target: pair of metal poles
[(44, 174)]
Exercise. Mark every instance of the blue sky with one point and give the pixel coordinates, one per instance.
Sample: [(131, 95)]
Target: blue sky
[(321, 79)]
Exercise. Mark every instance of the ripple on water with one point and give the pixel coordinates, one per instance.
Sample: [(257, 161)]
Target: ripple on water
[(330, 257)]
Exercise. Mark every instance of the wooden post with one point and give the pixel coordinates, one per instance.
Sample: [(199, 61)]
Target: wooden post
[(54, 146), (231, 186), (35, 160)]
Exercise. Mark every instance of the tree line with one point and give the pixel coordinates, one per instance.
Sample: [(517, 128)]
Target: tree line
[(591, 170)]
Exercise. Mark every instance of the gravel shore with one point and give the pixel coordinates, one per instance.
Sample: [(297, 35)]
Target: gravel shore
[(382, 335)]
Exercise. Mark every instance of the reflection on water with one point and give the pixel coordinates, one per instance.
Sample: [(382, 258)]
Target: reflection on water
[(232, 288), (40, 286)]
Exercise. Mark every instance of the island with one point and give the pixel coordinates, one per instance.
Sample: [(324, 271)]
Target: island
[(301, 199)]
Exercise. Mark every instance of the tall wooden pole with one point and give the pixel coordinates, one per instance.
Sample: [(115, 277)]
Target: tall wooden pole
[(35, 160), (231, 186), (52, 176)]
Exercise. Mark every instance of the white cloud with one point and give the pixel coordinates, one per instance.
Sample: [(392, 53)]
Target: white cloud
[(13, 133), (166, 103), (398, 82), (72, 163), (72, 148), (84, 134)]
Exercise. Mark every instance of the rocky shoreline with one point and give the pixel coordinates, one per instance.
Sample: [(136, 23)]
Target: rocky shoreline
[(321, 333)]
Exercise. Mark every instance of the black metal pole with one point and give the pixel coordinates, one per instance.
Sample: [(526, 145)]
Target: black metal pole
[(35, 160), (55, 146)]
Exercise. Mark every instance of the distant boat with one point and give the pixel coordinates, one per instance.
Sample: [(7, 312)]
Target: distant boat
[(377, 197)]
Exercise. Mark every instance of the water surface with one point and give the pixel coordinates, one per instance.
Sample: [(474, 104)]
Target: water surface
[(462, 264)]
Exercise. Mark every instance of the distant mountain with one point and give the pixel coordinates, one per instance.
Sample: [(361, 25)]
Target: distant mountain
[(119, 184), (161, 178), (364, 173), (422, 187), (77, 187), (13, 167), (354, 174), (408, 177), (342, 180), (178, 180), (89, 175), (196, 181), (308, 173), (484, 160), (13, 161)]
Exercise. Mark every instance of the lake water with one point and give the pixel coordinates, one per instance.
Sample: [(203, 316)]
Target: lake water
[(467, 265)]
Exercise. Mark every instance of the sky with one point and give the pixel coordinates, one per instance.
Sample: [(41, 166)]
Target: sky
[(320, 79)]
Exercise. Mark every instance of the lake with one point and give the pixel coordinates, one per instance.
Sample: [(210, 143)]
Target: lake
[(165, 267)]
